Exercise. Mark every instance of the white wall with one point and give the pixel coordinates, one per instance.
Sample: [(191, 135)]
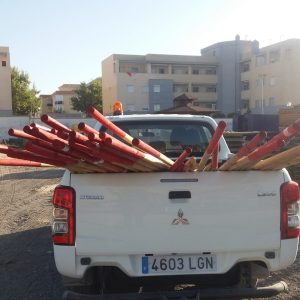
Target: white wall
[(19, 122), (11, 122)]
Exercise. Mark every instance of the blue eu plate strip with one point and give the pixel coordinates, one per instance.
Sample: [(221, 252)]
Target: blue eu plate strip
[(145, 265)]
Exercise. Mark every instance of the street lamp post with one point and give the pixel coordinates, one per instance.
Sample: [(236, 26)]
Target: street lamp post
[(262, 79)]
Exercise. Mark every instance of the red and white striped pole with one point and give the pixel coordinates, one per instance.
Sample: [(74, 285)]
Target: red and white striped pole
[(212, 144), (179, 162), (244, 151), (21, 163), (126, 137), (215, 158), (255, 156), (287, 133)]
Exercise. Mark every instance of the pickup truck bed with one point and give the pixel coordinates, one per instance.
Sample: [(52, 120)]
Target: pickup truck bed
[(218, 213)]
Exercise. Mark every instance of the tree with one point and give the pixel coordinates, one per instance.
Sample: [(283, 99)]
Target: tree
[(88, 94), (24, 97)]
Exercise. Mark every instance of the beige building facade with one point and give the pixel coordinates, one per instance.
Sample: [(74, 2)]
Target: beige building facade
[(60, 100), (234, 77), (149, 83), (5, 83), (270, 79)]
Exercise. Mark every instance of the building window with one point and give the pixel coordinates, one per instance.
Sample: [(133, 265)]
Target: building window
[(180, 70), (156, 88), (58, 102), (274, 56), (134, 69), (145, 108), (161, 71), (272, 81), (272, 101), (180, 88), (3, 63), (245, 67), (261, 60), (130, 107), (288, 53), (211, 71), (211, 89), (205, 104), (195, 89), (245, 104), (130, 88), (195, 72), (245, 85), (131, 67), (156, 107)]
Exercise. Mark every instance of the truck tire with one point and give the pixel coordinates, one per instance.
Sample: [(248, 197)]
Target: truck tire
[(92, 283)]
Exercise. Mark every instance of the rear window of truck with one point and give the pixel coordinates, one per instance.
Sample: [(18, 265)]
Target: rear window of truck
[(170, 137)]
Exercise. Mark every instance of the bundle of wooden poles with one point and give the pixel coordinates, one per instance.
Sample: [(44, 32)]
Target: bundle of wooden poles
[(91, 151)]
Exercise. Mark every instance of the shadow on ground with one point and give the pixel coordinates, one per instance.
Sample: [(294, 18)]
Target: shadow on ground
[(27, 269), (44, 174)]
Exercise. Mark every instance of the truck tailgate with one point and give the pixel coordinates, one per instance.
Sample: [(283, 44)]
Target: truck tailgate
[(162, 213)]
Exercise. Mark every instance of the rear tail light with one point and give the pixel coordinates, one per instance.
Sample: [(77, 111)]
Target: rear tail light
[(290, 214), (63, 227)]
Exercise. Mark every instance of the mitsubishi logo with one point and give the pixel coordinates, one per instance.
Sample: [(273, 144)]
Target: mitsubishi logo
[(180, 219)]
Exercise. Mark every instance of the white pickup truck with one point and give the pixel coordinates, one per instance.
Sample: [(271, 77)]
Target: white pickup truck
[(174, 235)]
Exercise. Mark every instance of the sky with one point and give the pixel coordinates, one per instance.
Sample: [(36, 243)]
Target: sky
[(65, 41)]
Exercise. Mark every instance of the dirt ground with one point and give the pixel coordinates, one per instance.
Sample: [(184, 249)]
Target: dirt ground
[(27, 269)]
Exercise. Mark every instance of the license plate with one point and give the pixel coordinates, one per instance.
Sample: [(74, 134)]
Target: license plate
[(168, 264)]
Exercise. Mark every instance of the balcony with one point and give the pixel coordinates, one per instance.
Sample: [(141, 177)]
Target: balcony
[(132, 68), (207, 96)]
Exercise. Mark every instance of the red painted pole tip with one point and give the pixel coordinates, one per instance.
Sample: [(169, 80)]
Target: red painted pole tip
[(135, 142), (72, 135), (44, 118), (27, 127), (188, 150), (81, 125), (91, 110), (11, 131), (222, 124), (91, 136)]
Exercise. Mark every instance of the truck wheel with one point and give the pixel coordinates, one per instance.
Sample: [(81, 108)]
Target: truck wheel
[(92, 284), (247, 280)]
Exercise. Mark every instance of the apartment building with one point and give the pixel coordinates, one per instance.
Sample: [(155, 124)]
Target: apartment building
[(5, 83), (60, 100), (149, 83), (229, 55), (46, 104), (270, 79), (233, 77)]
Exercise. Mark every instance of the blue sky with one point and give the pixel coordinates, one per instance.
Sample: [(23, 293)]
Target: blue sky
[(64, 41)]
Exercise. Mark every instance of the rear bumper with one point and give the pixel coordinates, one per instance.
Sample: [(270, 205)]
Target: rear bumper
[(225, 293)]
